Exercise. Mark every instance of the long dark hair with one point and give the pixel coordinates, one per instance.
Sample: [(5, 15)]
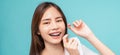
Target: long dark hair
[(37, 43)]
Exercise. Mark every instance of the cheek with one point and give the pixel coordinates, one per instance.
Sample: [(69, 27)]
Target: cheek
[(63, 27), (43, 30)]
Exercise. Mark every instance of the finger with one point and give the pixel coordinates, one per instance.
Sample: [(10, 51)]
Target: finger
[(70, 41), (65, 39), (81, 22), (75, 43), (70, 27), (75, 24)]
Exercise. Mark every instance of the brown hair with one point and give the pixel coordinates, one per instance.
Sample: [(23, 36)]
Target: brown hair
[(37, 43)]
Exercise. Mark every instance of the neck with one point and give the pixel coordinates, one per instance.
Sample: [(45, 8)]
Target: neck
[(53, 49)]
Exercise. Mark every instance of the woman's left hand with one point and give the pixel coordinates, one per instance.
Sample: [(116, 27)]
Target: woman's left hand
[(81, 29)]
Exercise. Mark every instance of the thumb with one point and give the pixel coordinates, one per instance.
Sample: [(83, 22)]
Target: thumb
[(65, 39)]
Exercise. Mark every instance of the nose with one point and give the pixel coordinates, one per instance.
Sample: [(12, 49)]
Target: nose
[(54, 26)]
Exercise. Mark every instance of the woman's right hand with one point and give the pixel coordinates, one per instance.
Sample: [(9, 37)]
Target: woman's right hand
[(71, 45)]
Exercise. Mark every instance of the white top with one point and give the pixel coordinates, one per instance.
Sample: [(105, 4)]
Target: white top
[(82, 49)]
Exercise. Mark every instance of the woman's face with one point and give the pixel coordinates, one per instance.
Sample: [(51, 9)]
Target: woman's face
[(52, 26)]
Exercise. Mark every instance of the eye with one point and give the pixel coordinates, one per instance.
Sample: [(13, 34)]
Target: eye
[(46, 22), (59, 20)]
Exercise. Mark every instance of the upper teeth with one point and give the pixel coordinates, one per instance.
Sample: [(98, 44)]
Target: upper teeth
[(55, 34)]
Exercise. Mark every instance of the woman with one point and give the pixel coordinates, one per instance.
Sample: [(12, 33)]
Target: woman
[(49, 34)]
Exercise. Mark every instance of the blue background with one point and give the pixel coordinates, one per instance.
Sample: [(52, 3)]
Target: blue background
[(102, 16)]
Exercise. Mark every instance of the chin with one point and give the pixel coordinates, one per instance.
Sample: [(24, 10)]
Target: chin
[(56, 41)]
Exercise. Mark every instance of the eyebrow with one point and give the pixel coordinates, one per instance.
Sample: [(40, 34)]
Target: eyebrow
[(58, 17), (47, 19)]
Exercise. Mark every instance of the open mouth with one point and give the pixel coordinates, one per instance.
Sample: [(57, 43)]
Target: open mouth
[(56, 34)]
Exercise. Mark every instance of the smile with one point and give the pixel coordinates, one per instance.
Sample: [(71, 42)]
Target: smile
[(55, 34)]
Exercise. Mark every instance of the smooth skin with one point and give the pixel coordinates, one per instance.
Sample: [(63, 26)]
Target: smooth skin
[(81, 29)]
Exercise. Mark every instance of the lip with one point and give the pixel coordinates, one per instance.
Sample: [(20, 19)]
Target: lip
[(54, 32), (54, 35)]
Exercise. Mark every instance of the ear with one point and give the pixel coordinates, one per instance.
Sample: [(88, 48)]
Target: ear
[(38, 33)]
